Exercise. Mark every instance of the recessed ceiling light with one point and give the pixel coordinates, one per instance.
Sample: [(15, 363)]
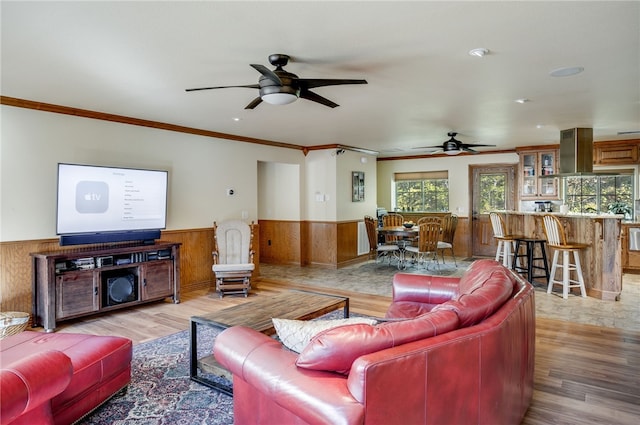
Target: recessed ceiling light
[(479, 52), (236, 119), (539, 126), (567, 71), (523, 100)]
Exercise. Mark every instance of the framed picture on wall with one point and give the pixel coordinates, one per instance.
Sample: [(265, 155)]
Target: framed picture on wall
[(357, 183)]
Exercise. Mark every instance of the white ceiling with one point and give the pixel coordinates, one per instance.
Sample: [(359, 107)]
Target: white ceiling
[(137, 58)]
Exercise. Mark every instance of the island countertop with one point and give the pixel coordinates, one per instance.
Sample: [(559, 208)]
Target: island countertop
[(601, 260)]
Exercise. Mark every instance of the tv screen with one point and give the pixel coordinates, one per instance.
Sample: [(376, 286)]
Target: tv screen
[(96, 200)]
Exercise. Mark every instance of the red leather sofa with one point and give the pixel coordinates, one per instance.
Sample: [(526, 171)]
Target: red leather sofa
[(48, 378), (451, 351)]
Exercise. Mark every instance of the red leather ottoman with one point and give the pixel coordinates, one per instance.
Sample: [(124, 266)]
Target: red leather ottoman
[(101, 367)]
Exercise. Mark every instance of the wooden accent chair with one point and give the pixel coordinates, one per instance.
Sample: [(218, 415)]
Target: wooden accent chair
[(233, 257)]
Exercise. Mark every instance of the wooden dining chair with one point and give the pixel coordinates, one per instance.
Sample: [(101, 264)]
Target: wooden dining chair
[(392, 220), (449, 224), (381, 251), (427, 249), (429, 219)]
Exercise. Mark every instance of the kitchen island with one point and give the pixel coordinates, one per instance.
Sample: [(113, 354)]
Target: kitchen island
[(601, 260)]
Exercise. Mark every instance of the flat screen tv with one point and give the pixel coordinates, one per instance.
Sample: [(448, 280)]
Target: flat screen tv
[(99, 204)]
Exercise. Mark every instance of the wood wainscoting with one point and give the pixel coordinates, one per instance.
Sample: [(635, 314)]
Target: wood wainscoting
[(16, 289), (462, 238), (310, 243), (280, 242), (301, 243), (327, 244)]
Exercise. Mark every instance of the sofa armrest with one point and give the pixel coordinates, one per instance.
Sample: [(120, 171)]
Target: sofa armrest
[(424, 289), (263, 363), (233, 345), (28, 385)]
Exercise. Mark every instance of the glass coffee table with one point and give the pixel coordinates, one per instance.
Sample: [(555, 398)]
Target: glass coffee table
[(294, 305)]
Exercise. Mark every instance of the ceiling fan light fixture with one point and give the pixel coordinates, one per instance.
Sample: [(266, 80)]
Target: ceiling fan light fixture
[(279, 98), (453, 152)]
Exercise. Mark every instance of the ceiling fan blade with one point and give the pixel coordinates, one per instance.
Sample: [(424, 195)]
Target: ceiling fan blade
[(255, 102), (475, 145), (248, 86), (309, 95), (267, 73), (467, 149), (311, 83), (429, 147)]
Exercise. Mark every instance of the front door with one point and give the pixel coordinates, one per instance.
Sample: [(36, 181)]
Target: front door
[(492, 188)]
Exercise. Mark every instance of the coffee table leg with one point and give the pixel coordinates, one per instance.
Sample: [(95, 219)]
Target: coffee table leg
[(193, 350), (193, 364), (346, 308)]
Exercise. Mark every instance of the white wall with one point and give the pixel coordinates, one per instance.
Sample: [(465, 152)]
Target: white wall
[(320, 186), (314, 187), (328, 185), (279, 191), (457, 166), (200, 168), (347, 163)]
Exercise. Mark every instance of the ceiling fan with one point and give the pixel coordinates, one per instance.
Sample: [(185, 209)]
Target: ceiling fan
[(279, 87), (454, 147)]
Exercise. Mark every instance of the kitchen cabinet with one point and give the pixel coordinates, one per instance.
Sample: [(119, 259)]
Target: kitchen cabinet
[(630, 240), (533, 165), (617, 153)]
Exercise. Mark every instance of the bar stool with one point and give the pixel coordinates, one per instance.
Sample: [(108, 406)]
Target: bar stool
[(506, 243), (529, 245), (557, 240)]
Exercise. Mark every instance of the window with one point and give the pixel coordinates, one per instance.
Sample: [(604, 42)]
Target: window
[(594, 194), (425, 191), (492, 193)]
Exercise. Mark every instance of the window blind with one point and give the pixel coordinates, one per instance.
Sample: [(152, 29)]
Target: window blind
[(421, 175)]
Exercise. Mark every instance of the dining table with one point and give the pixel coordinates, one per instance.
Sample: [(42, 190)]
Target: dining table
[(407, 233)]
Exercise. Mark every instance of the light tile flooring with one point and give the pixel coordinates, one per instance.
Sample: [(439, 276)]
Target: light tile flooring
[(375, 278)]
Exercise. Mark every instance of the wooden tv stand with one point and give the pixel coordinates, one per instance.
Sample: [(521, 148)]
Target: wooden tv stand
[(81, 282)]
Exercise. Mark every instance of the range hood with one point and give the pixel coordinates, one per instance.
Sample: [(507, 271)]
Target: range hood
[(576, 154), (576, 151)]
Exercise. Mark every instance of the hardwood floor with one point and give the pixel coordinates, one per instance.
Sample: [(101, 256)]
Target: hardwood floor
[(584, 374)]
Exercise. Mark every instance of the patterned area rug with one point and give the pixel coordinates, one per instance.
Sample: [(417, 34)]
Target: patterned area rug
[(161, 392)]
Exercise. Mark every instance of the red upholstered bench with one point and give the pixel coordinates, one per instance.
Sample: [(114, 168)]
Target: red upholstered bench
[(60, 377)]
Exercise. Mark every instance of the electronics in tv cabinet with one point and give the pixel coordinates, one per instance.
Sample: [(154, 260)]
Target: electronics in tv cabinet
[(72, 284)]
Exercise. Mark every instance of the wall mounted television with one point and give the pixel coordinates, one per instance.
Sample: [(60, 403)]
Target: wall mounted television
[(98, 204)]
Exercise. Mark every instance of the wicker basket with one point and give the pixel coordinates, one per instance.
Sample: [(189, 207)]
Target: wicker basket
[(12, 322)]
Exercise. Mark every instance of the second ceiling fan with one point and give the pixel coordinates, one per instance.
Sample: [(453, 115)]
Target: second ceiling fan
[(280, 87), (454, 146)]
